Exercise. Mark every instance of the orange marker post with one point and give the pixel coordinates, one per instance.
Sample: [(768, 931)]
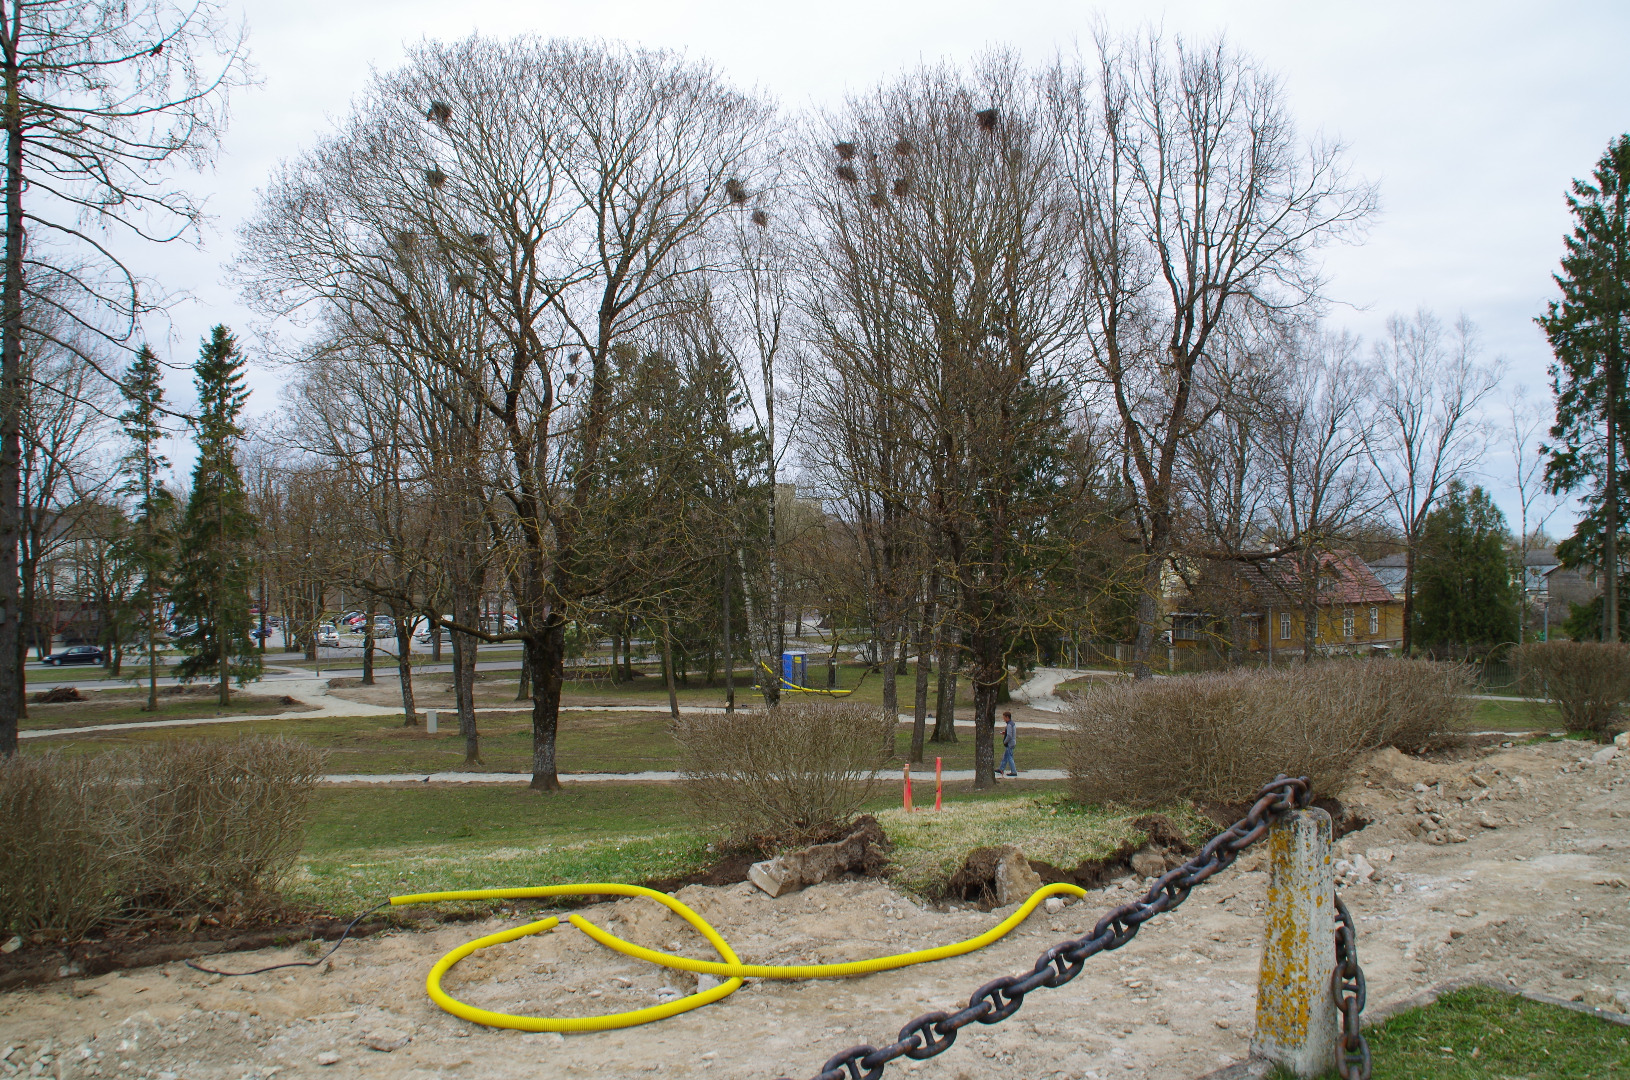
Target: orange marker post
[(938, 783), (908, 788)]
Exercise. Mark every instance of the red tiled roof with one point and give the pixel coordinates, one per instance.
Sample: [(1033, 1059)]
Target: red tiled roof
[(1343, 579)]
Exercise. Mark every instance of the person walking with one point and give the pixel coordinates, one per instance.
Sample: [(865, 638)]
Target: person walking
[(1010, 740)]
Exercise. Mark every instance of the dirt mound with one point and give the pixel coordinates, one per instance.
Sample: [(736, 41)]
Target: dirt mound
[(975, 881), (58, 695)]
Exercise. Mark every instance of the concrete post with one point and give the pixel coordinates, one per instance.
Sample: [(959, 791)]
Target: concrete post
[(1296, 1016), (430, 721)]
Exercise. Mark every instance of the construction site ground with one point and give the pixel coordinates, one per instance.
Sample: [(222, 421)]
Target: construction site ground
[(1505, 864)]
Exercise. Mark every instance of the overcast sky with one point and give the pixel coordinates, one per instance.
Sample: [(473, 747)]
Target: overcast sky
[(1472, 119)]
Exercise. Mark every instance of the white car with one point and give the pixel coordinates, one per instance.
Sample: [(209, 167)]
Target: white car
[(327, 636)]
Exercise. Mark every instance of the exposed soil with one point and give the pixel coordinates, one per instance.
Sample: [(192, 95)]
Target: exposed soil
[(1508, 865)]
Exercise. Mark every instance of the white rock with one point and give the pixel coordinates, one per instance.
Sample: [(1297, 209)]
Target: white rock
[(11, 946), (1055, 904), (705, 982), (328, 1057), (1379, 855), (1604, 755), (1362, 868), (1622, 740)]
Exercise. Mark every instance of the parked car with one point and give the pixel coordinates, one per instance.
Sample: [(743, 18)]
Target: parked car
[(328, 636), (79, 654), (384, 626)]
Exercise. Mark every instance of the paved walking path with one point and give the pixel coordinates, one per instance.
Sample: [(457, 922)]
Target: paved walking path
[(919, 779), (307, 691)]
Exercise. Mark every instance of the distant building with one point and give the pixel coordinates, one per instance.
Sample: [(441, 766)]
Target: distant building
[(1389, 570), (1355, 611)]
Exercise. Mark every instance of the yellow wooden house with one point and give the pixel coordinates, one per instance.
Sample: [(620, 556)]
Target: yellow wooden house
[(1258, 605)]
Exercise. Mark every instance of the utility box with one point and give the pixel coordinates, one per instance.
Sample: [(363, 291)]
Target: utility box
[(793, 668)]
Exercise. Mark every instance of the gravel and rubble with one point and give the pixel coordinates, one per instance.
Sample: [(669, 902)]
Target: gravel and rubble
[(1508, 864)]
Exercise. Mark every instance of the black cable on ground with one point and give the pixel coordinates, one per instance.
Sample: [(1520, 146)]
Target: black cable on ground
[(296, 963)]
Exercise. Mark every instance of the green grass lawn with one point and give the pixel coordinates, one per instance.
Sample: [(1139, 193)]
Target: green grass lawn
[(127, 705), (587, 742), (365, 844), (1514, 716), (1482, 1034)]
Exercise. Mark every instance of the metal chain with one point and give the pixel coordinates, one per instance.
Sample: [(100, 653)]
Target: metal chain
[(1347, 987), (934, 1033)]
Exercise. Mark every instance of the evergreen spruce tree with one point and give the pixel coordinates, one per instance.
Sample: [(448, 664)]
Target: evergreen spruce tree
[(148, 546), (1586, 330), (1465, 594), (214, 571)]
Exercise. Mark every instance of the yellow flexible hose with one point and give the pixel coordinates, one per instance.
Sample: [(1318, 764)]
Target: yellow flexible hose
[(730, 968)]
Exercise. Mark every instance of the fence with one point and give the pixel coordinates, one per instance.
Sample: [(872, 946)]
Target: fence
[(1310, 994)]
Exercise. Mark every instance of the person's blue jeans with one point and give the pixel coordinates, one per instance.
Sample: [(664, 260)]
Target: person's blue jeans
[(1007, 761)]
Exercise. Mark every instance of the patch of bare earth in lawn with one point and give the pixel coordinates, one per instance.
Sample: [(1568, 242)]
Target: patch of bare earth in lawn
[(1534, 896)]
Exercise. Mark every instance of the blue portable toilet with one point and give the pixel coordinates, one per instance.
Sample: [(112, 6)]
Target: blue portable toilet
[(793, 667)]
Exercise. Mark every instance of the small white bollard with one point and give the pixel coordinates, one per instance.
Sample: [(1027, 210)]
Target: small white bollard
[(1296, 1017), (430, 721)]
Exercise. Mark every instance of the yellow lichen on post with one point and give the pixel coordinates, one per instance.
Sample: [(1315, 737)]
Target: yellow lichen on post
[(1296, 1017)]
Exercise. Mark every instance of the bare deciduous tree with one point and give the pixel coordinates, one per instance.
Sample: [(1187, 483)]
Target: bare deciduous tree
[(99, 98), (505, 214), (1197, 211), (1425, 431)]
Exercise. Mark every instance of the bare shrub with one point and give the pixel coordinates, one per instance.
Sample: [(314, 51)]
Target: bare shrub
[(178, 827), (794, 773), (60, 856), (217, 823), (1588, 680), (1219, 737), (1415, 705)]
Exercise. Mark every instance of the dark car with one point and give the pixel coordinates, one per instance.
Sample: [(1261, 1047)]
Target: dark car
[(79, 654)]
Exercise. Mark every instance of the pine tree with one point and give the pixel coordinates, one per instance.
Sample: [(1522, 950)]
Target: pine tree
[(214, 571), (149, 544), (1586, 330), (1465, 593)]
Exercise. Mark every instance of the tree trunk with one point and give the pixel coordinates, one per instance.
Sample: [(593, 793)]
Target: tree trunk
[(368, 645), (11, 399), (523, 691), (152, 651), (925, 635), (1409, 599), (987, 673), (945, 700), (1610, 521), (466, 612), (668, 669), (729, 651), (548, 653), (891, 689), (1148, 618), (404, 669)]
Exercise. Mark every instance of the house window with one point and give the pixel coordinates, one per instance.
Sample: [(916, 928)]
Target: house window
[(1183, 628), (1284, 626), (1347, 623), (1375, 620)]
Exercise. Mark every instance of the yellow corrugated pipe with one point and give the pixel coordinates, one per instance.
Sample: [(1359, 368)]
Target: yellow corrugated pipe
[(728, 967)]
